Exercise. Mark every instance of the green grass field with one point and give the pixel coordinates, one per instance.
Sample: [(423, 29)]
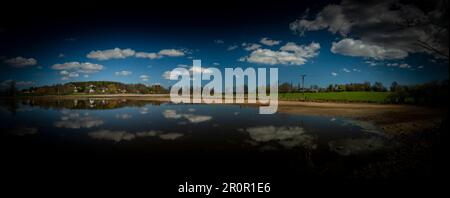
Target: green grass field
[(355, 96)]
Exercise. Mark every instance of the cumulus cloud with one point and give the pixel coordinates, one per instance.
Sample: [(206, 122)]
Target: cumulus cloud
[(404, 65), (118, 53), (170, 136), (167, 74), (350, 47), (399, 65), (218, 41), (79, 67), (72, 69), (115, 53), (147, 55), (251, 46), (389, 24), (371, 63), (123, 73), (346, 70), (392, 64), (144, 77), (334, 74), (232, 47), (7, 83), (161, 54), (171, 52), (289, 54), (269, 42), (20, 62)]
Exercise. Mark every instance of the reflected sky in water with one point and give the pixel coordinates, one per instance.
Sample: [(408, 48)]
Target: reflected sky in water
[(190, 129)]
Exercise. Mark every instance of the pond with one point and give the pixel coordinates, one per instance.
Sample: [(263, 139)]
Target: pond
[(186, 138)]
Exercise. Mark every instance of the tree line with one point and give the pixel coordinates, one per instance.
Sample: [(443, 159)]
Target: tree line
[(366, 86), (88, 87)]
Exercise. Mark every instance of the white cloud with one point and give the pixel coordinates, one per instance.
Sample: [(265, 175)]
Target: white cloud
[(161, 54), (334, 73), (115, 53), (170, 136), (392, 64), (147, 55), (251, 46), (269, 42), (404, 65), (20, 62), (391, 25), (123, 73), (356, 70), (167, 74), (399, 65), (345, 70), (350, 47), (73, 74), (232, 47), (289, 54), (371, 63), (80, 67), (7, 83), (73, 69), (331, 18), (144, 77), (200, 69), (61, 55), (171, 52), (218, 41)]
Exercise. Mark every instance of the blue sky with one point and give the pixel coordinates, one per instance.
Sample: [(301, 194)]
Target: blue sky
[(30, 57)]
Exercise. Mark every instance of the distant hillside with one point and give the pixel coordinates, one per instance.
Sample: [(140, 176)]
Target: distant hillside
[(94, 87)]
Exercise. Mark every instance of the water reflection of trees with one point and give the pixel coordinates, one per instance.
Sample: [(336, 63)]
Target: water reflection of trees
[(85, 103)]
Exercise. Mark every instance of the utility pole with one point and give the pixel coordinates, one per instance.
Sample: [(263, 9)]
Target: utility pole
[(303, 83)]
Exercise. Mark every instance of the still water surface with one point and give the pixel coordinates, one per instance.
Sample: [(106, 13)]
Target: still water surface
[(187, 138)]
